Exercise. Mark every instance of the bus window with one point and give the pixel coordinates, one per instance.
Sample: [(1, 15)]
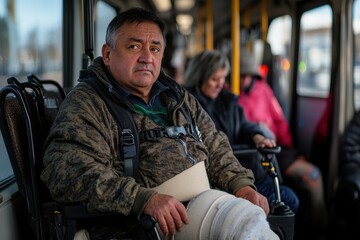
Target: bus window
[(30, 42), (104, 14), (314, 65), (356, 30), (279, 38), (6, 172), (31, 39)]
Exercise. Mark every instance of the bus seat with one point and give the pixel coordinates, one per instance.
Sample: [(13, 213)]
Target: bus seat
[(18, 130), (27, 110), (52, 87)]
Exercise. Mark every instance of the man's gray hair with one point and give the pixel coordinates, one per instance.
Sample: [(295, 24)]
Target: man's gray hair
[(133, 15)]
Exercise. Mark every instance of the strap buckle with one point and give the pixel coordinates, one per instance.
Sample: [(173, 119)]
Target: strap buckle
[(153, 135), (175, 131), (127, 138)]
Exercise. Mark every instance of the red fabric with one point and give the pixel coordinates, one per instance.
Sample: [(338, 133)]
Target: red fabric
[(261, 106)]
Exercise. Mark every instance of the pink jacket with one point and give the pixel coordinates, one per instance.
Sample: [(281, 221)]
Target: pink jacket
[(261, 106)]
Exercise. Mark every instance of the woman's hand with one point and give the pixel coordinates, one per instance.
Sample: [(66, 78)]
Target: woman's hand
[(262, 142)]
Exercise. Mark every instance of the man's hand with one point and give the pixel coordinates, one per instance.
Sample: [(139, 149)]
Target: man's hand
[(262, 142), (169, 212), (253, 196)]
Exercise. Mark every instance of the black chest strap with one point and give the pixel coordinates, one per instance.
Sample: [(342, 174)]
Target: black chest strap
[(128, 136), (153, 135)]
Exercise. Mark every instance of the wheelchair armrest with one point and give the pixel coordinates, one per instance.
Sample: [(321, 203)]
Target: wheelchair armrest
[(70, 214), (78, 211), (241, 150)]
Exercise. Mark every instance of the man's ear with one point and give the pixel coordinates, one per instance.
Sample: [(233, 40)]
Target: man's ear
[(106, 53)]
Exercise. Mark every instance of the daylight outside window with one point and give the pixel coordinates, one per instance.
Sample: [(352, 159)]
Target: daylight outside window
[(356, 32), (314, 65), (30, 43)]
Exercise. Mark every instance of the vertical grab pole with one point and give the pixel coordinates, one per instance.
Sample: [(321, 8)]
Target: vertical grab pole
[(199, 30), (209, 26), (235, 39), (264, 20), (88, 55)]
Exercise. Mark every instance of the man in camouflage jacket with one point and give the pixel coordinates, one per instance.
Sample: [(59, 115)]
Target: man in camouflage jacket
[(82, 156)]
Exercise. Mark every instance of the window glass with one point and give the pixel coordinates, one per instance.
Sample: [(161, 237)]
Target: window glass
[(6, 171), (356, 29), (104, 14), (279, 38), (314, 65), (31, 39), (30, 43)]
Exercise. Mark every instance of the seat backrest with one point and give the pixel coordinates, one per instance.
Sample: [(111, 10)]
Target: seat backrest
[(27, 110), (50, 89), (19, 130), (51, 95)]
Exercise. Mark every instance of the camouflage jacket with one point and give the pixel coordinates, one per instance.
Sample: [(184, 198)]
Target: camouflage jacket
[(82, 158)]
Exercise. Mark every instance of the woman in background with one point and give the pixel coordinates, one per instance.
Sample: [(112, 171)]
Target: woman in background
[(205, 78)]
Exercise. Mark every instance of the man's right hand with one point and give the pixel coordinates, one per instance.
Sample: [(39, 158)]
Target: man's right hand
[(169, 213)]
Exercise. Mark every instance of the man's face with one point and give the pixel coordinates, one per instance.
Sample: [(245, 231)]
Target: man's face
[(212, 87), (136, 60)]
